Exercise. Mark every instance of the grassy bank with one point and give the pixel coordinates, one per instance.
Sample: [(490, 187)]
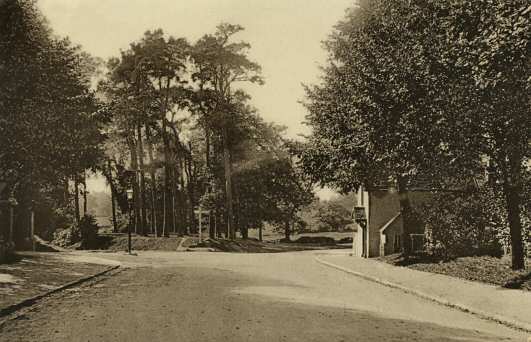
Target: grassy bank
[(486, 269)]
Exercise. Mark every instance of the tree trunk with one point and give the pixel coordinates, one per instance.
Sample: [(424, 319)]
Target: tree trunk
[(512, 192), (185, 198), (244, 231), (173, 199), (66, 192), (405, 210), (228, 185), (85, 192), (191, 195), (217, 233), (287, 231), (113, 196), (76, 199), (167, 179), (142, 195), (166, 151), (136, 191), (207, 149), (152, 176), (260, 233)]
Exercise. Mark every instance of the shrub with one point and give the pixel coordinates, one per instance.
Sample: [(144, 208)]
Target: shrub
[(463, 224), (85, 232), (88, 229), (67, 236), (317, 240), (332, 217)]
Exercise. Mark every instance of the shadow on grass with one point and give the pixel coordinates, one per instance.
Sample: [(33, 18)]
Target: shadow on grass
[(518, 282), (404, 261), (13, 258), (486, 269)]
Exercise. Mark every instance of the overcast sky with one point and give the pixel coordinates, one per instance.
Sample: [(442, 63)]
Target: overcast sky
[(285, 36)]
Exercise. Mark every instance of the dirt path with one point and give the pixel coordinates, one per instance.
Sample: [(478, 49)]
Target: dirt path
[(230, 298)]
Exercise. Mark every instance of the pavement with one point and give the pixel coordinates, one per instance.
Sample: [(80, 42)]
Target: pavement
[(510, 307), (168, 296)]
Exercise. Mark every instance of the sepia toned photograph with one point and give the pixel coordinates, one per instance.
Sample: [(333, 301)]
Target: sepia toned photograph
[(265, 170)]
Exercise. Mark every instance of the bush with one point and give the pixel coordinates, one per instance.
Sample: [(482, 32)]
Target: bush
[(317, 240), (85, 232), (332, 217), (67, 236), (88, 229), (461, 224)]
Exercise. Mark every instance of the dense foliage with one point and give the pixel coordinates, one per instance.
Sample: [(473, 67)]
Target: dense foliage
[(430, 89), (186, 137), (50, 123), (459, 224)]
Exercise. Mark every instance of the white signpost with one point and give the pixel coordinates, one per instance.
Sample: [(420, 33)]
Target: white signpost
[(199, 212)]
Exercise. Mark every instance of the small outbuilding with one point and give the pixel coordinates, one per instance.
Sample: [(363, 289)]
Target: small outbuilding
[(380, 226)]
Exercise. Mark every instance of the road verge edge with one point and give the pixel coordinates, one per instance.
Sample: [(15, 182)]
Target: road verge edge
[(441, 301)]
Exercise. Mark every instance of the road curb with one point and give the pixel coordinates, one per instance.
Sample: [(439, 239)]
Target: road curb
[(30, 301), (441, 301)]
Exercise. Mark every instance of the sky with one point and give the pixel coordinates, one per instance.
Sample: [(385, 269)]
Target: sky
[(285, 36)]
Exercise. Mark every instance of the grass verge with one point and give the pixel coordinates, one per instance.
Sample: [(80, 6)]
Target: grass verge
[(484, 269)]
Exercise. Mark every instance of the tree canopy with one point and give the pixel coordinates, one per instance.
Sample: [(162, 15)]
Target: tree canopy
[(424, 88)]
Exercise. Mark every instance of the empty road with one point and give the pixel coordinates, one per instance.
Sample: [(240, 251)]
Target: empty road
[(241, 297)]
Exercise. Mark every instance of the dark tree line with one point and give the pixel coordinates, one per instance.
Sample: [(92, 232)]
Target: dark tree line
[(50, 120)]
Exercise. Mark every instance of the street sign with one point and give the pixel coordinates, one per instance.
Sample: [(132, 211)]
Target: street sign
[(359, 214)]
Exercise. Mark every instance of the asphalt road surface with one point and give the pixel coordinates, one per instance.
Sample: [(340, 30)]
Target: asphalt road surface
[(239, 297)]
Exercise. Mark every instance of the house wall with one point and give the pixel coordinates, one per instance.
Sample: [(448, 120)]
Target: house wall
[(390, 241), (362, 200), (381, 206), (384, 205), (357, 243)]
